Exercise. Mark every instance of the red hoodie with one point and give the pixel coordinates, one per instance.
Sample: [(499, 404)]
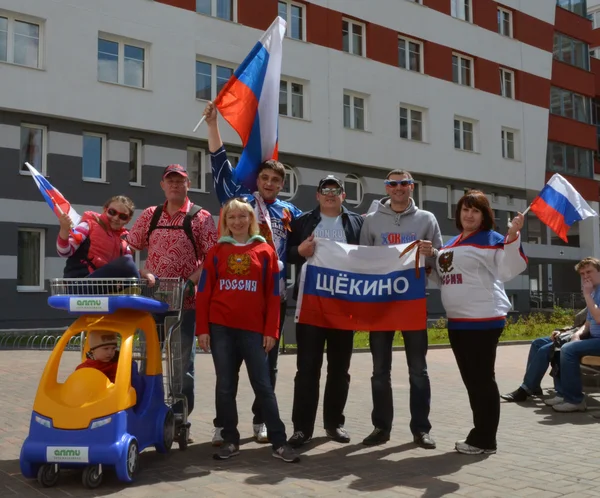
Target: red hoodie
[(239, 288), (108, 368)]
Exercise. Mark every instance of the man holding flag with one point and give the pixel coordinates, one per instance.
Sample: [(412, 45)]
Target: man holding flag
[(274, 217)]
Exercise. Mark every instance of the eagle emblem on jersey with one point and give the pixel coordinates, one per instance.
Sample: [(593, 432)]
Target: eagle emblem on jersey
[(238, 264), (445, 261)]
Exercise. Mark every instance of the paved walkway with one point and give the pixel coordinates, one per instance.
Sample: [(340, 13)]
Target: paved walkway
[(541, 453)]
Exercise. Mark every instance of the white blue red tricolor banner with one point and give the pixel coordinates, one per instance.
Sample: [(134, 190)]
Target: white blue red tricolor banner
[(362, 288)]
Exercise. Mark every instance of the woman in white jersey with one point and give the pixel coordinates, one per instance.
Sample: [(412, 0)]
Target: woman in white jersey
[(472, 268)]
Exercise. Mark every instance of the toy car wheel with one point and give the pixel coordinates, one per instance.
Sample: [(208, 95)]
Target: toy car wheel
[(128, 465), (92, 476), (168, 433), (48, 475)]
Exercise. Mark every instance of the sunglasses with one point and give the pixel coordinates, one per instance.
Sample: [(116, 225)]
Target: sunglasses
[(395, 183), (114, 212), (331, 190)]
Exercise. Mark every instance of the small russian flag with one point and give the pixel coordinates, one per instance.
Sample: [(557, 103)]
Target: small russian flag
[(559, 205), (55, 199)]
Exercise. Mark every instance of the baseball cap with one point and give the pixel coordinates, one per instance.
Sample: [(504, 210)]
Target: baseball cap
[(330, 179), (174, 168), (99, 338)]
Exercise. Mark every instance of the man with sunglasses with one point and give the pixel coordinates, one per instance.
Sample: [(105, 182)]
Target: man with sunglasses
[(397, 220), (274, 218), (329, 220), (178, 235)]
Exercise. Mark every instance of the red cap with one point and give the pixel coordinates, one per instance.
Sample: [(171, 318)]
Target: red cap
[(174, 168)]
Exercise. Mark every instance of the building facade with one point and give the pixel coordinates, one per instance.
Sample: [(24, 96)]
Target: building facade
[(100, 96)]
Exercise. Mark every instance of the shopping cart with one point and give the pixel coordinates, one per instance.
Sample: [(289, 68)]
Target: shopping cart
[(89, 422)]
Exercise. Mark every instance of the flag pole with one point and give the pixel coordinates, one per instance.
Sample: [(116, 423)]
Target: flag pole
[(199, 123)]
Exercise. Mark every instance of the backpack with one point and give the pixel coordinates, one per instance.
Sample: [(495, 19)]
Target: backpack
[(186, 227)]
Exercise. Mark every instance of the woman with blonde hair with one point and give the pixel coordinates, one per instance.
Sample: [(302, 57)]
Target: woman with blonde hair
[(237, 316), (96, 247)]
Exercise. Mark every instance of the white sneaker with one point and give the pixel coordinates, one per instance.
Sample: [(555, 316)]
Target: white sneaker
[(557, 400), (570, 407), (260, 433), (217, 439), (467, 449)]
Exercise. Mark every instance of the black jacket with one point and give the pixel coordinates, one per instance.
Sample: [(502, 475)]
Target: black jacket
[(304, 226)]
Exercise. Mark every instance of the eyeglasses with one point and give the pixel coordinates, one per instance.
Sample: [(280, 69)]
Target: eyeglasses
[(331, 190), (395, 183), (114, 212)]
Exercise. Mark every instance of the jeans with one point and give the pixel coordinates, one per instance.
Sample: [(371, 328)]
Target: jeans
[(273, 358), (568, 384), (537, 363), (185, 368), (123, 267), (227, 345), (381, 380), (311, 346), (475, 353)]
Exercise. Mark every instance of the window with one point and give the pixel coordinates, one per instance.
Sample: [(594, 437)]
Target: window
[(234, 159), (196, 169), (510, 200), (505, 22), (595, 53), (494, 197), (570, 160), (569, 104), (571, 51), (291, 99), (121, 63), (509, 143), (20, 41), (595, 18), (576, 6), (33, 147), (223, 9), (135, 162), (462, 70), (462, 9), (290, 184), (354, 190), (417, 194), (94, 157), (464, 135), (30, 259), (294, 15), (354, 112), (210, 79), (410, 54), (353, 39), (449, 204), (291, 275), (507, 83), (411, 123)]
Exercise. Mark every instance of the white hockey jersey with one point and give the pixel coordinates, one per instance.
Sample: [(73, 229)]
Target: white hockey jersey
[(472, 272)]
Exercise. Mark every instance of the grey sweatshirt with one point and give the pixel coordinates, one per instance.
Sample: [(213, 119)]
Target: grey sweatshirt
[(386, 227)]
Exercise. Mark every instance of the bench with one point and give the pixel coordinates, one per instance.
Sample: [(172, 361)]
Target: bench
[(590, 371)]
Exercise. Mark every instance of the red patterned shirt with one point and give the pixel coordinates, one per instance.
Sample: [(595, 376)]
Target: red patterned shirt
[(170, 252)]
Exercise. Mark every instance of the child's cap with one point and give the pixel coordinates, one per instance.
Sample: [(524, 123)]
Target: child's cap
[(99, 338)]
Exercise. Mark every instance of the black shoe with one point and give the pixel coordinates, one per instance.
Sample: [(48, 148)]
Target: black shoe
[(424, 440), (378, 436), (339, 434), (517, 396), (298, 439), (538, 392)]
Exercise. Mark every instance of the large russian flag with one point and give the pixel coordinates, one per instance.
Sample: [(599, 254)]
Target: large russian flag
[(249, 102), (54, 198), (559, 205), (362, 288)]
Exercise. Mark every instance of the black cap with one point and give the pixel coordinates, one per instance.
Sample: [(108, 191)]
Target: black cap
[(330, 179)]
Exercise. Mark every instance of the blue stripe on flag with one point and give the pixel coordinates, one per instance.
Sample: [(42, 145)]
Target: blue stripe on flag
[(252, 71), (251, 158), (356, 287), (561, 204)]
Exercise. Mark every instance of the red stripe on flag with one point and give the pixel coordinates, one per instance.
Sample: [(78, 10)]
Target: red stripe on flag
[(338, 314), (238, 105), (551, 217), (276, 151)]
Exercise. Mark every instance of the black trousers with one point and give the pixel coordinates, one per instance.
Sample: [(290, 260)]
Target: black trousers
[(273, 359), (311, 347), (475, 353)]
